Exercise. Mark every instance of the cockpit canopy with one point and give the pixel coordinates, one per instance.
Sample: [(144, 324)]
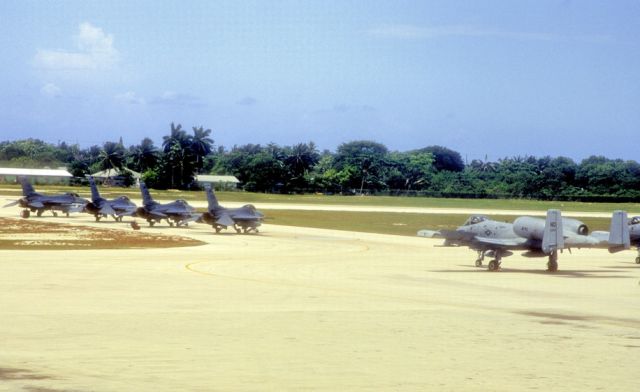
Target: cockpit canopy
[(475, 219), (635, 220)]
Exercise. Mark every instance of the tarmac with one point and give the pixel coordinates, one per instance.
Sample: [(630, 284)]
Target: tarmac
[(295, 309)]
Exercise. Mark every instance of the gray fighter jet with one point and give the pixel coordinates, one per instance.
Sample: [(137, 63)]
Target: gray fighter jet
[(100, 207), (244, 219), (634, 234), (538, 237), (624, 233), (33, 201), (178, 212)]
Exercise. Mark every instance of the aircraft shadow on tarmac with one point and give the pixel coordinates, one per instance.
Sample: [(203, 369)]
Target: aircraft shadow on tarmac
[(598, 274)]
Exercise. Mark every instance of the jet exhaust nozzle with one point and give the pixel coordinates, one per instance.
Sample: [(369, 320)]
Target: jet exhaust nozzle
[(141, 212)]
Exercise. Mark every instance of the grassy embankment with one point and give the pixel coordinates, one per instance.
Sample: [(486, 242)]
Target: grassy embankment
[(375, 222)]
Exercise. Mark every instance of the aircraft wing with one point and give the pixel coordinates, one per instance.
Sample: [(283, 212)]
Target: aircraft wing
[(107, 210), (455, 235), (36, 204), (176, 211), (157, 214), (13, 203), (503, 243), (245, 216), (225, 220), (127, 211), (192, 218)]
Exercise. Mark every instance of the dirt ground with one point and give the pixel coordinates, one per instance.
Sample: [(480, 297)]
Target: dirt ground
[(317, 310)]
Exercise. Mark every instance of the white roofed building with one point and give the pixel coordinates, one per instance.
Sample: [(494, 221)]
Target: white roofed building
[(218, 182), (114, 177), (35, 176)]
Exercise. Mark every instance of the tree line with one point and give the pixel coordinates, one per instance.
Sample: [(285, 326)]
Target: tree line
[(356, 167)]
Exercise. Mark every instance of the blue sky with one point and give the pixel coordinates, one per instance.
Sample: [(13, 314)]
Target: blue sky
[(485, 78)]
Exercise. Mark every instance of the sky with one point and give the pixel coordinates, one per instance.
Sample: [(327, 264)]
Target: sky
[(489, 79)]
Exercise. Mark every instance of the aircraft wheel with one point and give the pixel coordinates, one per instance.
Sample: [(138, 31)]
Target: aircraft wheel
[(552, 266), (39, 213), (151, 223), (25, 214), (170, 224), (478, 263), (238, 231), (494, 265), (218, 230), (257, 231), (67, 214), (638, 260)]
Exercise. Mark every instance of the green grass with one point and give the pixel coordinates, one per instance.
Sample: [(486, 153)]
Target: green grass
[(371, 222), (385, 223), (257, 198)]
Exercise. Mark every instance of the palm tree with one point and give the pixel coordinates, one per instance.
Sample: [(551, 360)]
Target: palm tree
[(178, 136), (144, 155), (111, 157), (176, 147), (201, 144)]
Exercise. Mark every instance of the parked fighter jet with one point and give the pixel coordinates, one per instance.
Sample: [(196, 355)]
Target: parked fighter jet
[(244, 219), (101, 207), (178, 212), (538, 237), (625, 233), (33, 201), (634, 233)]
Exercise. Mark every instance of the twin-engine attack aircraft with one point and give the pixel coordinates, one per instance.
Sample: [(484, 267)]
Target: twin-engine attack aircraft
[(626, 235), (538, 237), (100, 207), (178, 212), (244, 219), (33, 201), (634, 233)]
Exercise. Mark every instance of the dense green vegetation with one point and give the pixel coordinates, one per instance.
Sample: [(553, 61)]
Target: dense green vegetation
[(357, 167)]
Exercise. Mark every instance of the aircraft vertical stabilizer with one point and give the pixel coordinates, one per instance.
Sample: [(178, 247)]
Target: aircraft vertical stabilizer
[(95, 195), (146, 196), (211, 198), (27, 188), (619, 236), (553, 237)]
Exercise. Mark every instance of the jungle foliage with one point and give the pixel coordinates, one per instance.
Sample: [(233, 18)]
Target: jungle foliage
[(356, 167)]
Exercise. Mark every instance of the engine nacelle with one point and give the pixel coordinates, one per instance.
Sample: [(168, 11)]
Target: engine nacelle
[(91, 208), (528, 227), (207, 218), (141, 212), (575, 226)]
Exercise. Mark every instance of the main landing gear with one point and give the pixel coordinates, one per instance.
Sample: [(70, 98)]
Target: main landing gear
[(552, 264), (480, 258), (638, 258), (494, 264)]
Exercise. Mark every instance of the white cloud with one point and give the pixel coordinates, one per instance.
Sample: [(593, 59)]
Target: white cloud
[(50, 90), (94, 51), (174, 98), (131, 98)]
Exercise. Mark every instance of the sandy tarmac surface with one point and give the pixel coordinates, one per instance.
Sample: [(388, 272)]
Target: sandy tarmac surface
[(307, 309)]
